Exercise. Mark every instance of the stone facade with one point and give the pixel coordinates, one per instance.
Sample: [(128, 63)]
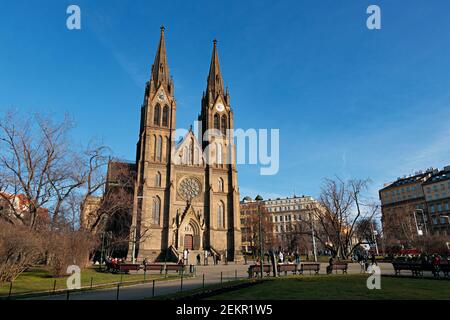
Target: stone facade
[(186, 195)]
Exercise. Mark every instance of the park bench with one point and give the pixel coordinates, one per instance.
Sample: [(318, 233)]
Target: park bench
[(287, 268), (254, 270), (175, 267), (125, 267), (445, 268), (416, 269), (309, 267), (340, 267), (154, 267)]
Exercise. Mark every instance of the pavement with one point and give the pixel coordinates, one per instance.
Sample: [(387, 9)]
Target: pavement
[(212, 275)]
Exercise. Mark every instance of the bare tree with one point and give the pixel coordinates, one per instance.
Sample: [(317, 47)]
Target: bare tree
[(34, 163), (339, 211)]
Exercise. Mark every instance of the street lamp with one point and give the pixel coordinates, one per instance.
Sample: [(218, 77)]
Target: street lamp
[(261, 251), (374, 235), (313, 237), (423, 219), (419, 232)]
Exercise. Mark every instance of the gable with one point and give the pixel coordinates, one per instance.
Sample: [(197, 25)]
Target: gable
[(189, 151)]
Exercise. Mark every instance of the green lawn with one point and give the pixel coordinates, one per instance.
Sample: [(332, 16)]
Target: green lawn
[(341, 287), (38, 279)]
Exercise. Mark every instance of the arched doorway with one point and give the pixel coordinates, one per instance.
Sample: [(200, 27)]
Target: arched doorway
[(189, 242), (191, 236)]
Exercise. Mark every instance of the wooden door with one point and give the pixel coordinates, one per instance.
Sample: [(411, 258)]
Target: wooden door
[(189, 242)]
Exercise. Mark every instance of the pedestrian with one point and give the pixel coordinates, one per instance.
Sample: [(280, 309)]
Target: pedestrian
[(186, 257), (374, 260), (436, 265), (198, 259), (281, 257), (330, 266), (297, 258), (206, 257)]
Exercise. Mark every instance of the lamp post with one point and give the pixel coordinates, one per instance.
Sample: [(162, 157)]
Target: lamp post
[(313, 237), (261, 250), (374, 235), (423, 219), (419, 232)]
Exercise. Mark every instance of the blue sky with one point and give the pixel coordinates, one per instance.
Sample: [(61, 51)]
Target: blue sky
[(348, 101)]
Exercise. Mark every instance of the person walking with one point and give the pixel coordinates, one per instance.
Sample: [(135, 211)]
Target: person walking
[(330, 266), (206, 257), (198, 259), (373, 259), (186, 257), (297, 258)]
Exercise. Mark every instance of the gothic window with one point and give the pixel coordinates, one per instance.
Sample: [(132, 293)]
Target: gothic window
[(157, 115), (158, 148), (191, 152), (220, 215), (224, 124), (220, 185), (219, 153), (165, 116), (216, 122), (158, 179), (154, 146), (156, 210)]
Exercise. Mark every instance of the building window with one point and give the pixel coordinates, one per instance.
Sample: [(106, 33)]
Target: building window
[(156, 210), (156, 115), (158, 148), (220, 216), (219, 153), (220, 184), (158, 179), (216, 122), (165, 117), (224, 124)]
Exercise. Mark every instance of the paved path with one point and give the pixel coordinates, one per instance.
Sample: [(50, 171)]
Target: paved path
[(212, 276)]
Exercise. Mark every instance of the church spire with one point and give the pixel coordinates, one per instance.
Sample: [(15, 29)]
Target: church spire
[(160, 68), (215, 81)]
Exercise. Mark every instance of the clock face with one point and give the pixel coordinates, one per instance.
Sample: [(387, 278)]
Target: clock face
[(220, 107), (189, 188), (161, 97)]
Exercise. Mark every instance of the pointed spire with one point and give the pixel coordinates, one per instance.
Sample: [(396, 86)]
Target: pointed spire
[(160, 68), (215, 81)]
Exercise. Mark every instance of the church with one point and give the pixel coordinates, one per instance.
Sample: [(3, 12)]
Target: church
[(186, 192)]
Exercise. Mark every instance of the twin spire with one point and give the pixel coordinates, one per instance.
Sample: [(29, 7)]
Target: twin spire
[(160, 68), (161, 74)]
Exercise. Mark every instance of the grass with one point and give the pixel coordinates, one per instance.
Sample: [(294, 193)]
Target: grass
[(188, 294), (39, 280), (338, 287)]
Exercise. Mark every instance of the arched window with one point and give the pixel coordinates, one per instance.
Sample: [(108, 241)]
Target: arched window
[(216, 122), (191, 151), (157, 115), (219, 154), (154, 146), (165, 116), (158, 148), (220, 215), (156, 210), (158, 179), (220, 185), (224, 124)]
